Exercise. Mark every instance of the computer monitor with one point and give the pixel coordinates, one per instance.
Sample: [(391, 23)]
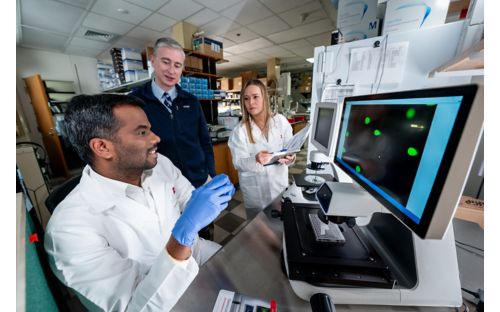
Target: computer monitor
[(412, 151), (323, 127)]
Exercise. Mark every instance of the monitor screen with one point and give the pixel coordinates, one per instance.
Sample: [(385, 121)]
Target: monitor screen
[(323, 127), (400, 148)]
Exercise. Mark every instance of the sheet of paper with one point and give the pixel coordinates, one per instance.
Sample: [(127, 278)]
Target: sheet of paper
[(335, 93), (298, 139), (394, 62), (363, 65)]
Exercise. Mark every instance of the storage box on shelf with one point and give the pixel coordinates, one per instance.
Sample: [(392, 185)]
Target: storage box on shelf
[(208, 47)]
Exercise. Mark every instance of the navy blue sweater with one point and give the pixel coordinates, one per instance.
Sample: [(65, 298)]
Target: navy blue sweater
[(184, 135)]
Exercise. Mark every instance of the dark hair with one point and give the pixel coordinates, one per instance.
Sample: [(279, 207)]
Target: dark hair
[(91, 116)]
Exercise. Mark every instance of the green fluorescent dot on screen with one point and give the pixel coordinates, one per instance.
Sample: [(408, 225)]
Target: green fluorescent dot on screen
[(358, 169), (376, 132), (367, 120), (412, 151), (410, 113)]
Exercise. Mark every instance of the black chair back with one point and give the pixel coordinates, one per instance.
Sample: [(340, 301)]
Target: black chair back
[(61, 192)]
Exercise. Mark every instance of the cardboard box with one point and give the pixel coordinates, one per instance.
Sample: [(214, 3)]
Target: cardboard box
[(193, 63), (237, 83), (353, 12), (226, 84), (183, 32), (405, 15), (208, 47), (361, 31)]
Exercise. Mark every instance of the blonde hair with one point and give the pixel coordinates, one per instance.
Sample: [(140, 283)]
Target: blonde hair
[(267, 108)]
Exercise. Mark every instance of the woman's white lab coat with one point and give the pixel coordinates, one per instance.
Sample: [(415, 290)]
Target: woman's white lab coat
[(111, 248), (259, 184)]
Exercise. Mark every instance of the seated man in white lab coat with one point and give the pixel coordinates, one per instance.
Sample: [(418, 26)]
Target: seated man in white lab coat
[(126, 237)]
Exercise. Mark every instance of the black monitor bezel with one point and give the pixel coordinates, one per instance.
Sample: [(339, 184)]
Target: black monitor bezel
[(468, 92)]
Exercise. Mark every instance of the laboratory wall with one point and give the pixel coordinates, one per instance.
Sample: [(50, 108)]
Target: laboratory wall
[(51, 66)]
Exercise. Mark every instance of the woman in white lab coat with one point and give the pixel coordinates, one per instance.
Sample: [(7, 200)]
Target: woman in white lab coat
[(252, 142)]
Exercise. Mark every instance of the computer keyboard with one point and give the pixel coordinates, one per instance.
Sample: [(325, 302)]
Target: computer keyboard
[(327, 233)]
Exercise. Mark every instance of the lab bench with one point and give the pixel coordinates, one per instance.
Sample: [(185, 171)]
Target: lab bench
[(223, 159), (250, 264)]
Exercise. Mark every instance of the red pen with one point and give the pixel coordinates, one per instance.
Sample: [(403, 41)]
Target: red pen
[(273, 306)]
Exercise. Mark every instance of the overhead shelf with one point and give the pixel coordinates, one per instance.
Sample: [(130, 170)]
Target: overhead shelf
[(468, 63)]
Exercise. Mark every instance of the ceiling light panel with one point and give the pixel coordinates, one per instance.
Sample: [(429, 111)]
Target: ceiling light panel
[(180, 9), (110, 8)]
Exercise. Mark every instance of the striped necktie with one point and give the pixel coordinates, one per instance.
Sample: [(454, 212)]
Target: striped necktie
[(167, 101)]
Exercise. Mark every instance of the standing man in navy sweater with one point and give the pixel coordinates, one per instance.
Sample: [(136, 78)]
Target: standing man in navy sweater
[(176, 116)]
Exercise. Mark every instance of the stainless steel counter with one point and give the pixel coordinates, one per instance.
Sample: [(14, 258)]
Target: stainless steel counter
[(250, 264)]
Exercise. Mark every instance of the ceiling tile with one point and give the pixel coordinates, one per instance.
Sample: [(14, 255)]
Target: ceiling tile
[(105, 23), (323, 39), (226, 43), (268, 26), (202, 17), (292, 45), (83, 42), (254, 56), (110, 8), (220, 26), (79, 3), (276, 51), (247, 12), (218, 5), (305, 52), (129, 42), (158, 22), (279, 6), (251, 45), (84, 51), (304, 14), (303, 31), (146, 34), (240, 35), (50, 15), (149, 4), (180, 9), (43, 40)]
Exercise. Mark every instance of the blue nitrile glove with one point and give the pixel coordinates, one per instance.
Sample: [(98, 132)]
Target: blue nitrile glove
[(203, 207)]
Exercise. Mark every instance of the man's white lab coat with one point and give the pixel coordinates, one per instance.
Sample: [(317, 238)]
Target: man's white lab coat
[(110, 248), (260, 184)]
